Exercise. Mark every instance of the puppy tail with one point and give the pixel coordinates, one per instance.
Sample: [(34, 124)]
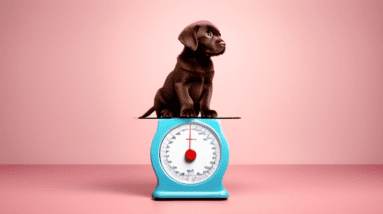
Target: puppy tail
[(148, 112)]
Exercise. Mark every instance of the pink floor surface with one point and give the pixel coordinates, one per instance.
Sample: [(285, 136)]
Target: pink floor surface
[(253, 189)]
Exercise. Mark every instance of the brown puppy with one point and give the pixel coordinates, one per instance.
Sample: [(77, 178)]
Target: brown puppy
[(188, 88)]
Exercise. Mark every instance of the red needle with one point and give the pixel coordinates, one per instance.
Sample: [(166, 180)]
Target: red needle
[(190, 139), (190, 154)]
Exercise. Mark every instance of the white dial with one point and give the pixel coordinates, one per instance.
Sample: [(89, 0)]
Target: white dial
[(190, 153)]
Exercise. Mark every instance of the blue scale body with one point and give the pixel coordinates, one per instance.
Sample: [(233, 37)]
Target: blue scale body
[(167, 188)]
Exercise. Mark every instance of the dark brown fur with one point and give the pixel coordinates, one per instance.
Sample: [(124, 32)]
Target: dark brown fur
[(188, 88)]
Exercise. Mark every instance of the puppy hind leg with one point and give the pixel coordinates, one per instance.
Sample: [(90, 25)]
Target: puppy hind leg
[(158, 103), (166, 113), (162, 106)]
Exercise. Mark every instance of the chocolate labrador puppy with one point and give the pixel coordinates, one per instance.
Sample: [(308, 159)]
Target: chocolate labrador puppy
[(188, 88)]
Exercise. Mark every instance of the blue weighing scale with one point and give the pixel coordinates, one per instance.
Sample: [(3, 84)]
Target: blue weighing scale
[(190, 157)]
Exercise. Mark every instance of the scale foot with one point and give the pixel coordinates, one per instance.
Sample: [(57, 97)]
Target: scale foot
[(189, 199), (211, 195)]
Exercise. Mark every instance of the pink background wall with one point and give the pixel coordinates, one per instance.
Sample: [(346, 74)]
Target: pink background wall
[(305, 76)]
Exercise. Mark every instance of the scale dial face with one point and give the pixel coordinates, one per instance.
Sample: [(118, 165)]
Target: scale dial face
[(190, 153)]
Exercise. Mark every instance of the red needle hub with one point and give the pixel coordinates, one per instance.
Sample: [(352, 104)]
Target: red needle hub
[(190, 154)]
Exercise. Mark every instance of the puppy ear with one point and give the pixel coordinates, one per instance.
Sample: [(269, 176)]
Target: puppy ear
[(188, 37)]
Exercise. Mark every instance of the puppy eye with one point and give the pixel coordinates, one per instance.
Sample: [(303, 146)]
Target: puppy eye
[(209, 35)]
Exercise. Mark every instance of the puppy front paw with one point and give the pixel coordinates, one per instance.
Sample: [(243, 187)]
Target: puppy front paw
[(188, 113), (209, 113)]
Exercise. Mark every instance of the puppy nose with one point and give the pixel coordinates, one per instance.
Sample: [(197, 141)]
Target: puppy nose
[(222, 43)]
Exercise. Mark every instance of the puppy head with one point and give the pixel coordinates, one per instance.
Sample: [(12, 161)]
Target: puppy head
[(203, 36)]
